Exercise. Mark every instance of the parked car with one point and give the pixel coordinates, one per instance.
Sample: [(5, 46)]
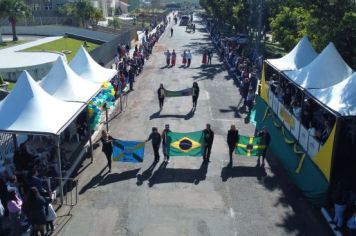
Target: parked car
[(184, 20)]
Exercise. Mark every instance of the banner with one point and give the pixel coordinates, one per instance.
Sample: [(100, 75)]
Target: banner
[(313, 146), (249, 146), (185, 144), (128, 151), (180, 93), (303, 137)]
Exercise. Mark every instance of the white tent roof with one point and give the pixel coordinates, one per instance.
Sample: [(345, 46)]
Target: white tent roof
[(29, 109), (61, 82), (340, 97), (326, 70), (301, 55), (85, 66)]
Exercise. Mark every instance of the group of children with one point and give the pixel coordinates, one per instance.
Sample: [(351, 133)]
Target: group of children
[(172, 56)]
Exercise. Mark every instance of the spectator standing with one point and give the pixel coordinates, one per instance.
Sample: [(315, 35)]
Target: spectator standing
[(14, 205), (340, 200), (351, 224), (37, 208)]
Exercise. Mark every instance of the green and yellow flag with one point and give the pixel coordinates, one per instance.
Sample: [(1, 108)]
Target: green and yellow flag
[(249, 146), (179, 93), (185, 144)]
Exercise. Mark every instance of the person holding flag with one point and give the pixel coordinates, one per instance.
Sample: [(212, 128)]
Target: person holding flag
[(156, 142), (195, 95), (174, 56), (164, 142), (266, 139), (161, 95), (107, 148), (208, 138), (232, 139)]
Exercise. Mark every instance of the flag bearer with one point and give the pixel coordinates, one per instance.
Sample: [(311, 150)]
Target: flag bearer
[(208, 138), (156, 142), (164, 142), (232, 139), (160, 93)]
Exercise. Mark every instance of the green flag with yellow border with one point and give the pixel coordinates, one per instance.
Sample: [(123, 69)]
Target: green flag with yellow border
[(250, 146), (185, 144)]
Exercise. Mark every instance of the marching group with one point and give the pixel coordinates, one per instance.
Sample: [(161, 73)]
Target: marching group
[(172, 56)]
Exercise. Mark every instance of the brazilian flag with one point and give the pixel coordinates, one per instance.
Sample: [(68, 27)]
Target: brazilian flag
[(179, 93), (128, 151), (185, 144), (249, 146)]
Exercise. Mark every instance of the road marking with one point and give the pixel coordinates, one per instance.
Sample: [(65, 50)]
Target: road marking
[(232, 213)]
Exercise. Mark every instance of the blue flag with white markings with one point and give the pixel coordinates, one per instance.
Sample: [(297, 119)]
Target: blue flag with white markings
[(128, 151)]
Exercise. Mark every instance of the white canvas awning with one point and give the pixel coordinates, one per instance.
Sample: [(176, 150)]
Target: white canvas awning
[(29, 109), (326, 70), (85, 66), (301, 55), (63, 83), (340, 97)]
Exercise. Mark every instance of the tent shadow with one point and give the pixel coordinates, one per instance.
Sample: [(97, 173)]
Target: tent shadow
[(242, 171), (170, 175), (146, 174), (117, 177)]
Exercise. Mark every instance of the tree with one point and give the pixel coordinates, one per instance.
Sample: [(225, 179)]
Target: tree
[(13, 9), (96, 16), (115, 23), (82, 9)]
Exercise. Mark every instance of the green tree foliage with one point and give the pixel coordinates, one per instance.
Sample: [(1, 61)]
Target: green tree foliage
[(13, 9), (115, 23), (323, 21), (83, 10)]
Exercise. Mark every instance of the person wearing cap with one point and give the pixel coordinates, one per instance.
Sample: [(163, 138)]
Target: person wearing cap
[(266, 139), (156, 142), (208, 138), (164, 142), (232, 139)]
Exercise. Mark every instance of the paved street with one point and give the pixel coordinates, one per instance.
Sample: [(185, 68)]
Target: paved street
[(186, 197)]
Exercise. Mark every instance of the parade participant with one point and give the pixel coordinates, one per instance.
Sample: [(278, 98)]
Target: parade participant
[(164, 142), (156, 142), (205, 57), (106, 141), (172, 32), (266, 139), (184, 58), (209, 138), (174, 56), (210, 56), (232, 139), (160, 93), (168, 57), (193, 28), (189, 58), (195, 95)]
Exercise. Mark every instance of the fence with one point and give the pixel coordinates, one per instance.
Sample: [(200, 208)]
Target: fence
[(39, 20), (70, 191), (7, 145)]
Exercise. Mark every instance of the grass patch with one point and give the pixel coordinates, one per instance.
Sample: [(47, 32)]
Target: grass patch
[(7, 44), (273, 50), (10, 86), (68, 45)]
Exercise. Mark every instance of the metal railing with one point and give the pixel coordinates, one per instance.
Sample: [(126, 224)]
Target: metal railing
[(6, 145), (70, 191)]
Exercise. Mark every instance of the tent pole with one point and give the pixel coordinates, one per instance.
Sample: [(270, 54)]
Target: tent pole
[(90, 146), (60, 168)]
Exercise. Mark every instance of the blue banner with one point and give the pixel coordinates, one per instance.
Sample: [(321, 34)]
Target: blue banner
[(128, 151)]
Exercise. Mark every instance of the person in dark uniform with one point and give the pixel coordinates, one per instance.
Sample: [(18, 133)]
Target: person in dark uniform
[(266, 139), (209, 138), (195, 95), (106, 141), (164, 142), (156, 142), (160, 93), (232, 139), (171, 32)]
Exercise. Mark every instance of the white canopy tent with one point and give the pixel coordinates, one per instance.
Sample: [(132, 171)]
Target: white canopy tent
[(85, 66), (29, 109), (340, 97), (63, 83), (324, 71), (301, 55)]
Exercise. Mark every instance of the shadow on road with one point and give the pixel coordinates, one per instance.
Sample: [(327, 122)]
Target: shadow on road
[(157, 115), (170, 175), (94, 181), (242, 171), (146, 174), (117, 177)]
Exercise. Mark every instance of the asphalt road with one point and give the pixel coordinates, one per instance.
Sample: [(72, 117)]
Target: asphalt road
[(186, 197)]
